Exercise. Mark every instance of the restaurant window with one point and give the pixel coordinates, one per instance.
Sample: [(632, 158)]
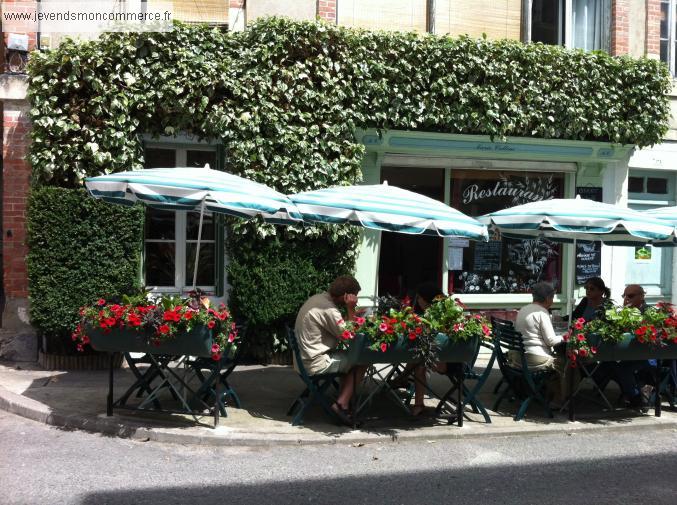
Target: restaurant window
[(580, 24), (171, 236), (502, 265)]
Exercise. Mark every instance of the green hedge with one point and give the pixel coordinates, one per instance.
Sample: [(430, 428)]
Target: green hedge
[(80, 249), (285, 98)]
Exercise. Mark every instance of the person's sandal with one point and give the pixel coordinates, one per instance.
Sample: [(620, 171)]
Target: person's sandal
[(417, 410), (343, 414)]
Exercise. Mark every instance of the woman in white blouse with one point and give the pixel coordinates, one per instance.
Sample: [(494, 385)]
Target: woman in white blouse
[(533, 322)]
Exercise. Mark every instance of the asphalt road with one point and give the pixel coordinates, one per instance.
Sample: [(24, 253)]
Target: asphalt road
[(45, 465)]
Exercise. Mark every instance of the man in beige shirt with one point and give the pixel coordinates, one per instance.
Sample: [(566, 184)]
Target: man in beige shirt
[(318, 329)]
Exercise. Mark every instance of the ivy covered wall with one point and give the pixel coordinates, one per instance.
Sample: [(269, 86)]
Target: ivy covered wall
[(284, 98)]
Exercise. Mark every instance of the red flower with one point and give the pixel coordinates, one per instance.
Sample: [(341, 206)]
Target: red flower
[(486, 330), (412, 336), (188, 315), (101, 302), (583, 353), (593, 350), (419, 330), (580, 337), (641, 331), (211, 324), (406, 301), (216, 348), (231, 337), (346, 335), (384, 347), (578, 325), (85, 339), (79, 347), (216, 357), (163, 329)]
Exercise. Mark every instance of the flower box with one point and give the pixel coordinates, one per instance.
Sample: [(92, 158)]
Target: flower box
[(402, 351), (197, 342), (630, 349)]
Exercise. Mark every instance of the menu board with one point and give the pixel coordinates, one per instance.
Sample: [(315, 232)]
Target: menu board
[(588, 255), (588, 261), (488, 256)]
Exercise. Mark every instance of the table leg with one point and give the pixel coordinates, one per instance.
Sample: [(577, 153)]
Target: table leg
[(460, 407), (657, 389), (109, 400), (572, 414), (217, 394)]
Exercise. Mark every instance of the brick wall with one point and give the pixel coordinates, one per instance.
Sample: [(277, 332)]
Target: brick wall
[(326, 9), (620, 27), (16, 179), (653, 28), (26, 30)]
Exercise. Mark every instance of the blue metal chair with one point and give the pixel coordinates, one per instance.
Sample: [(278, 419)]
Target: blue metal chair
[(522, 383), (317, 387)]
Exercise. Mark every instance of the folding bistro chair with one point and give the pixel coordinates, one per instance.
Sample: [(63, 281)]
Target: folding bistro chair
[(317, 387), (524, 384), (469, 394)]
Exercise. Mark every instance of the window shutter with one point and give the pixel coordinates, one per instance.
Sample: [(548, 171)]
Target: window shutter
[(499, 19), (404, 15)]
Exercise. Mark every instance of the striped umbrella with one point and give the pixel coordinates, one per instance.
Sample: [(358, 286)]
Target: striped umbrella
[(191, 188), (388, 208), (570, 220), (668, 215)]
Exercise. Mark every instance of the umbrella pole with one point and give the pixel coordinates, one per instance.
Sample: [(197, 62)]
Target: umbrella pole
[(199, 238), (572, 280)]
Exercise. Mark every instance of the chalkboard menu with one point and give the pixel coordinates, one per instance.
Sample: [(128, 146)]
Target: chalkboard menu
[(588, 261), (588, 255), (488, 256)]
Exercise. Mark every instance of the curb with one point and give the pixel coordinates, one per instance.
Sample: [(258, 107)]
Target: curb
[(224, 436)]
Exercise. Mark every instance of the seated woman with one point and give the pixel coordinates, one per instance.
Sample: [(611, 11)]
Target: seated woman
[(533, 322), (597, 297), (426, 292)]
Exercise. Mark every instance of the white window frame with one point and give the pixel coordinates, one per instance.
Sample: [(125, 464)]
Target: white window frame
[(672, 36), (566, 9), (182, 284)]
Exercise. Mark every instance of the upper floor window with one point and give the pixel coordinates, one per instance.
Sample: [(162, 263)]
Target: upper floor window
[(170, 240), (581, 24), (667, 35)]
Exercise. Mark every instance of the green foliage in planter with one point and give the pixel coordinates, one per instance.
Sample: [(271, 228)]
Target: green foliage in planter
[(80, 249), (285, 97)]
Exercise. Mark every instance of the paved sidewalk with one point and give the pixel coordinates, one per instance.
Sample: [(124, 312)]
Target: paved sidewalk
[(77, 400)]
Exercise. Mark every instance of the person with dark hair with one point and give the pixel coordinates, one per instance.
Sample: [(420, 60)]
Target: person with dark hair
[(426, 292), (318, 329), (597, 296)]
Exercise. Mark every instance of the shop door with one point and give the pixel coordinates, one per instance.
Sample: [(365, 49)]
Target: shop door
[(407, 260)]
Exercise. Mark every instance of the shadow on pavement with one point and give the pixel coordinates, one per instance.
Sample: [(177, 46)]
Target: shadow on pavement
[(628, 480)]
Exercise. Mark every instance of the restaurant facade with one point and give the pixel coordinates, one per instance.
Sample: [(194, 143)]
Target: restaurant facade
[(475, 174)]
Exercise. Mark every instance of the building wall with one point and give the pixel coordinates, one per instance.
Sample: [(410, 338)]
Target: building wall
[(403, 15)]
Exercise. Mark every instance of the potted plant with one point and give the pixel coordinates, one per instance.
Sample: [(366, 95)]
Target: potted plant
[(625, 333), (167, 325), (455, 329)]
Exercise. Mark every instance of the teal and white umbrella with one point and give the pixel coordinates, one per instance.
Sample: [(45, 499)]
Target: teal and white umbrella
[(569, 219), (191, 188), (577, 219), (667, 215), (387, 208), (198, 189)]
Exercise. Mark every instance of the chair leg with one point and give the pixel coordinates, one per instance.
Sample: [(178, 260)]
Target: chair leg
[(523, 409), (498, 386)]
